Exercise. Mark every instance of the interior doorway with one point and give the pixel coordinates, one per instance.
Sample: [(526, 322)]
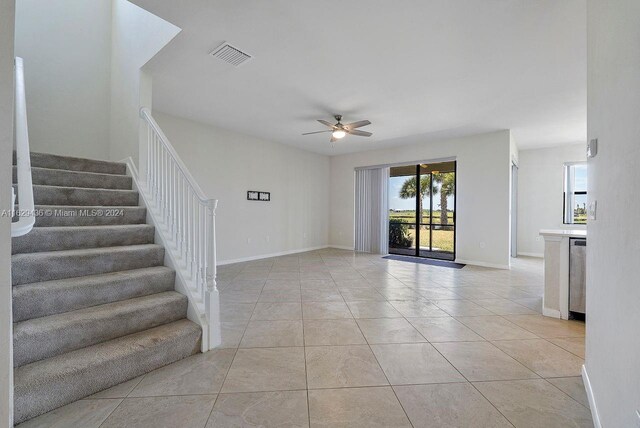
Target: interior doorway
[(422, 210)]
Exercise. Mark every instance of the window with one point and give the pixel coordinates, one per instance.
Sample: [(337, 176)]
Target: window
[(575, 193)]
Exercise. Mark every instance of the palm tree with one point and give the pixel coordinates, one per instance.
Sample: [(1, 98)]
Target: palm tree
[(408, 191), (447, 187)]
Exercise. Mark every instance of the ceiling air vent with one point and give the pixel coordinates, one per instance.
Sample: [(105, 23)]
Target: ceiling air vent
[(230, 54)]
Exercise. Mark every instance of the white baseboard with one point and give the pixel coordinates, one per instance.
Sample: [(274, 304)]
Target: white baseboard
[(590, 396), (554, 313), (266, 256), (482, 264), (538, 255), (341, 247)]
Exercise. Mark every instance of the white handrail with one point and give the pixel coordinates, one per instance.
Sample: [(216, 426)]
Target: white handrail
[(187, 222), (26, 214), (145, 113)]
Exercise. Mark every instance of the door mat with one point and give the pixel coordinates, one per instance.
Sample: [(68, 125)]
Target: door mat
[(441, 263)]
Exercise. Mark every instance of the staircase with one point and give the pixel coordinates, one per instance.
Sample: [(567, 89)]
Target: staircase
[(93, 305)]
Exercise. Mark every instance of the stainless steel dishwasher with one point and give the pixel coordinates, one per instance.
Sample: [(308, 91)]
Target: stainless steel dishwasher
[(577, 274)]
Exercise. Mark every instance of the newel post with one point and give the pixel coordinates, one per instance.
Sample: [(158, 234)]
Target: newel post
[(212, 297)]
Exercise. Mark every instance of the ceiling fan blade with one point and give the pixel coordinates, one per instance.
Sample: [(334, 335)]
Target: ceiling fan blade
[(317, 132), (325, 123), (357, 124), (359, 133)]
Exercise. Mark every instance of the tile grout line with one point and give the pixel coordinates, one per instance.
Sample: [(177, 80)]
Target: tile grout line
[(452, 365), (122, 400), (306, 377), (382, 370), (556, 387), (337, 266), (235, 353), (221, 385), (110, 413)]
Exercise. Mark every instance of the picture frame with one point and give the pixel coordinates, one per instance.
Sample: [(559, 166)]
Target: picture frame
[(257, 195), (265, 196)]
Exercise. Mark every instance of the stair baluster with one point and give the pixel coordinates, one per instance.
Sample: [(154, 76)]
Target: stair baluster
[(186, 218)]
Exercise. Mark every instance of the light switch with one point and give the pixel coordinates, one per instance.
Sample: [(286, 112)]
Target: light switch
[(592, 148), (593, 208)]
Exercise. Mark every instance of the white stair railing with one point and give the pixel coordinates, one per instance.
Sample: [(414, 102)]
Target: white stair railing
[(25, 214), (186, 218)]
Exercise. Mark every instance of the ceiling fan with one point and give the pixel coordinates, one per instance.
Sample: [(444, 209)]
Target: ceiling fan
[(340, 130)]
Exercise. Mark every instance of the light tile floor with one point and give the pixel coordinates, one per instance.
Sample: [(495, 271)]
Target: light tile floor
[(332, 338)]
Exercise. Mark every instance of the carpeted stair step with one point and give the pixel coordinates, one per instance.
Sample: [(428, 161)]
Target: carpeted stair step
[(46, 337), (76, 237), (66, 215), (51, 383), (46, 266), (58, 195), (44, 160), (61, 177), (46, 298)]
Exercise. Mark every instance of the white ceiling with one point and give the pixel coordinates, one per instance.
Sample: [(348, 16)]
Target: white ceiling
[(434, 68)]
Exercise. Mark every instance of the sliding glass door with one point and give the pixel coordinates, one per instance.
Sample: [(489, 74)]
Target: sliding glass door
[(422, 210)]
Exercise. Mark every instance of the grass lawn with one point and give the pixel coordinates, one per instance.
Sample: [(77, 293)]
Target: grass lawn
[(442, 239), (410, 216)]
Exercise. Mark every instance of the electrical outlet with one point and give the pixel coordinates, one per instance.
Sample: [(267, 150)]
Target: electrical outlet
[(304, 235), (538, 238), (482, 244), (248, 240), (267, 238)]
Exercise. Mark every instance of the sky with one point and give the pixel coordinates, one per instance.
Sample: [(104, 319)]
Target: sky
[(396, 203), (580, 177)]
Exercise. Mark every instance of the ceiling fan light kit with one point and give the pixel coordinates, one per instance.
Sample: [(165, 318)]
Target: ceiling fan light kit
[(338, 133), (340, 130)]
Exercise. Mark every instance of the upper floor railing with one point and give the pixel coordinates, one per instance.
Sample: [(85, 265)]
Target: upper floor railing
[(25, 214), (186, 217)]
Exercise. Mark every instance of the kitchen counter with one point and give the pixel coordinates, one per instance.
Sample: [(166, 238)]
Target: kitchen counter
[(555, 301), (571, 233)]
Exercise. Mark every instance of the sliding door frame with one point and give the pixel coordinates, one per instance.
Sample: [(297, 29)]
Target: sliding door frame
[(418, 218)]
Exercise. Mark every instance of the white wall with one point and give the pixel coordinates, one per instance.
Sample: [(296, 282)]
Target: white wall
[(136, 36), (540, 194), (6, 148), (226, 165), (85, 83), (66, 48), (482, 200), (613, 251)]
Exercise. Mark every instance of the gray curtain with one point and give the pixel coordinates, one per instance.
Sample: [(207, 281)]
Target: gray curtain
[(372, 210)]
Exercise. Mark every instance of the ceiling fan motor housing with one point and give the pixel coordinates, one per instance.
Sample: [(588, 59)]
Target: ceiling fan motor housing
[(339, 130)]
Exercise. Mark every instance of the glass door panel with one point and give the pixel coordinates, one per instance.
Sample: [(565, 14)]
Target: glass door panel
[(402, 210), (425, 239), (442, 243)]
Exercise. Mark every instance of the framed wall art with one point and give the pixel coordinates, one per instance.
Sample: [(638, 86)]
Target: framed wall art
[(256, 195)]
